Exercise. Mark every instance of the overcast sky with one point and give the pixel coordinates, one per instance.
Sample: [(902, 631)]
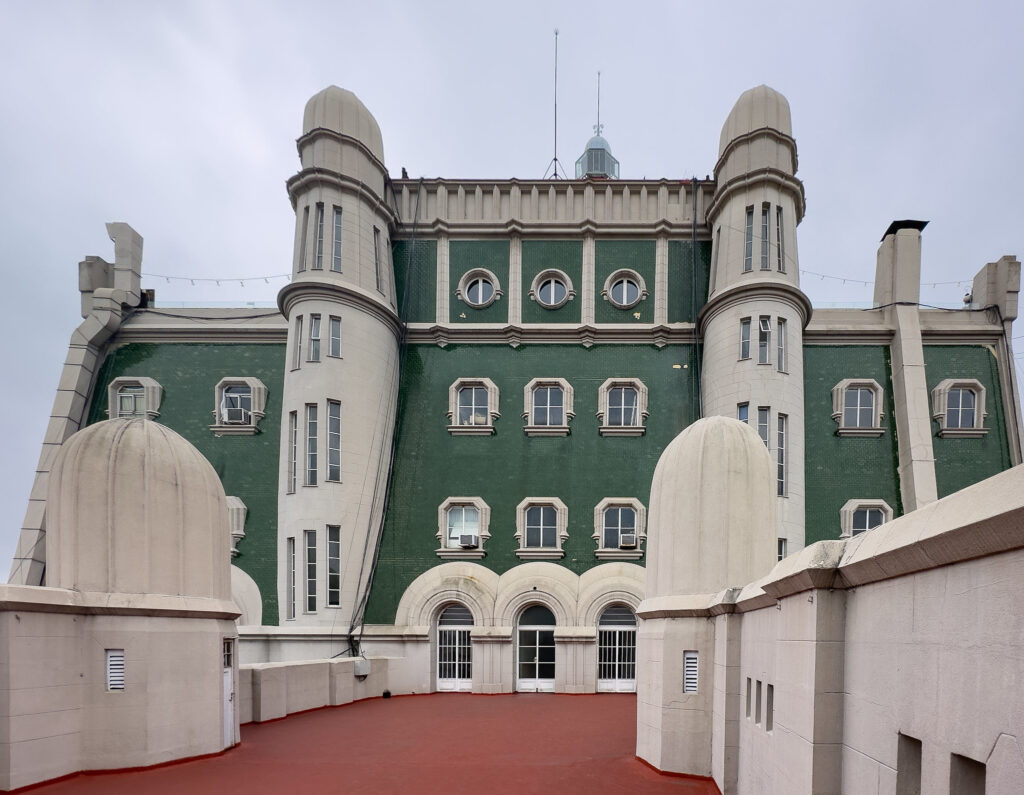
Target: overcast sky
[(180, 119)]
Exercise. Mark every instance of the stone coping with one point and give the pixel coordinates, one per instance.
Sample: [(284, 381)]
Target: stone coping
[(40, 599)]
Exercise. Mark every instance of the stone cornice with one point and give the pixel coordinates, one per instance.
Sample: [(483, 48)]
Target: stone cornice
[(570, 334), (680, 230), (760, 132), (36, 599), (740, 182), (340, 293), (324, 132), (314, 176), (755, 290)]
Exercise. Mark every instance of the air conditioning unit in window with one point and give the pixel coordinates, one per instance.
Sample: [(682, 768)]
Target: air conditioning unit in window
[(469, 541), (627, 541), (236, 416)]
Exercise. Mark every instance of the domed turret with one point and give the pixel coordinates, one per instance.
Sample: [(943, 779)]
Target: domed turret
[(341, 111), (755, 109), (135, 508), (597, 160)]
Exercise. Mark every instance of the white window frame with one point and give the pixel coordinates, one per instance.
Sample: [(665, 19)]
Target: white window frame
[(744, 338), (334, 340), (289, 588), (224, 422), (544, 276), (309, 567), (748, 240), (470, 276), (377, 260), (851, 506), (764, 424), (303, 234), (743, 412), (297, 351), (781, 346), (447, 552), (839, 406), (333, 441), (313, 354), (615, 277), (333, 565), (940, 408), (561, 529), (605, 429), (152, 394), (311, 430), (766, 210), (454, 428), (764, 340), (617, 553), (293, 452), (336, 239), (567, 407), (780, 242), (318, 254), (781, 447)]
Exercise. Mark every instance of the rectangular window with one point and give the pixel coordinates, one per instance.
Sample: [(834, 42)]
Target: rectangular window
[(748, 241), (764, 340), (762, 423), (310, 571), (333, 565), (297, 353), (689, 672), (966, 776), (714, 259), (333, 440), (782, 548), (335, 340), (769, 708), (376, 257), (115, 669), (908, 766), (757, 703), (290, 589), (745, 338), (750, 693), (336, 258), (779, 246), (780, 341), (303, 232), (228, 652), (314, 338), (780, 455), (743, 412), (765, 264), (311, 437), (318, 262), (293, 445)]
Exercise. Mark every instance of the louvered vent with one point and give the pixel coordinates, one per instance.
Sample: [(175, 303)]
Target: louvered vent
[(689, 672), (115, 669)]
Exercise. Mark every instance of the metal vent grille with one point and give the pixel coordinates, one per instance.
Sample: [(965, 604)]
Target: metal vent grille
[(115, 669), (689, 672)]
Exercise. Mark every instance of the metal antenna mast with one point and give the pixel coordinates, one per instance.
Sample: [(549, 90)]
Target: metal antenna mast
[(554, 165), (597, 127)]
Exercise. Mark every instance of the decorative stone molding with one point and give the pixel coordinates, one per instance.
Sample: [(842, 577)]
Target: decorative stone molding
[(543, 276), (850, 507), (624, 273), (448, 552), (839, 406), (940, 408), (618, 552), (567, 407), (561, 529), (455, 428), (461, 292), (225, 421), (152, 394), (237, 511), (606, 429)]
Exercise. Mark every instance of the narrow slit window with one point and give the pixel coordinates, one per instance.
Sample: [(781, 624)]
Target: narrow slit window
[(334, 440), (293, 444), (765, 241), (314, 338), (745, 338), (290, 590), (782, 548), (748, 241), (311, 571), (743, 412), (763, 413), (780, 454), (303, 232), (297, 353), (690, 672), (757, 703), (764, 340), (318, 262), (779, 244), (115, 669), (333, 565), (780, 340), (334, 348), (750, 693), (376, 258), (769, 708), (336, 257), (311, 439)]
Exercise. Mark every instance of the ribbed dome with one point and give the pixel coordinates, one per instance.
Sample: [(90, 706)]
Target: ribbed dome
[(712, 511), (341, 111), (756, 108), (134, 508), (597, 142)]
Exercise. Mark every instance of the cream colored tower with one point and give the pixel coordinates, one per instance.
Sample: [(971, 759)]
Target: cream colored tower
[(752, 325), (341, 373)]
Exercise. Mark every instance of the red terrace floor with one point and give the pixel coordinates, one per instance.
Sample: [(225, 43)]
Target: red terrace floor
[(440, 743)]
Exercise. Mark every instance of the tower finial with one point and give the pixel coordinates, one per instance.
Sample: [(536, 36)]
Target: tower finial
[(598, 127)]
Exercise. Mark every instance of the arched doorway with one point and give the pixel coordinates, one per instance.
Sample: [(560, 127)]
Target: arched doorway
[(616, 650), (535, 653), (454, 649)]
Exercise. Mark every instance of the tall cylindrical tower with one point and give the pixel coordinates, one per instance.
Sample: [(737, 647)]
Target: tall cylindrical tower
[(752, 325), (341, 373)]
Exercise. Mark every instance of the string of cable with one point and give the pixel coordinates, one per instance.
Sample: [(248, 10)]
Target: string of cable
[(217, 280)]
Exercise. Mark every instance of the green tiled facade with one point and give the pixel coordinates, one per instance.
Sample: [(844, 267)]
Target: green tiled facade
[(689, 264), (962, 462), (466, 255), (613, 255), (580, 469), (415, 263), (840, 468), (542, 255), (246, 465)]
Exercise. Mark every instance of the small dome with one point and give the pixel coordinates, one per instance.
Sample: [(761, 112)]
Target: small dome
[(133, 507), (756, 108), (712, 511), (597, 142), (597, 160), (341, 111)]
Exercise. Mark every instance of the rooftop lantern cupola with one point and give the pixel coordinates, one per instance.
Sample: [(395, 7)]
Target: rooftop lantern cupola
[(596, 160)]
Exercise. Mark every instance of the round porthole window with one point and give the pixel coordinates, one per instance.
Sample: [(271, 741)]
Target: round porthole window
[(625, 289), (551, 289), (479, 288)]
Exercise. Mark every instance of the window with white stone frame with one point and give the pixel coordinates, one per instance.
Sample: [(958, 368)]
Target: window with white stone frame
[(479, 288), (547, 407), (958, 405), (542, 527), (134, 396), (239, 404), (624, 289), (620, 528), (472, 407), (857, 407), (857, 516), (622, 407), (552, 289), (462, 528)]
